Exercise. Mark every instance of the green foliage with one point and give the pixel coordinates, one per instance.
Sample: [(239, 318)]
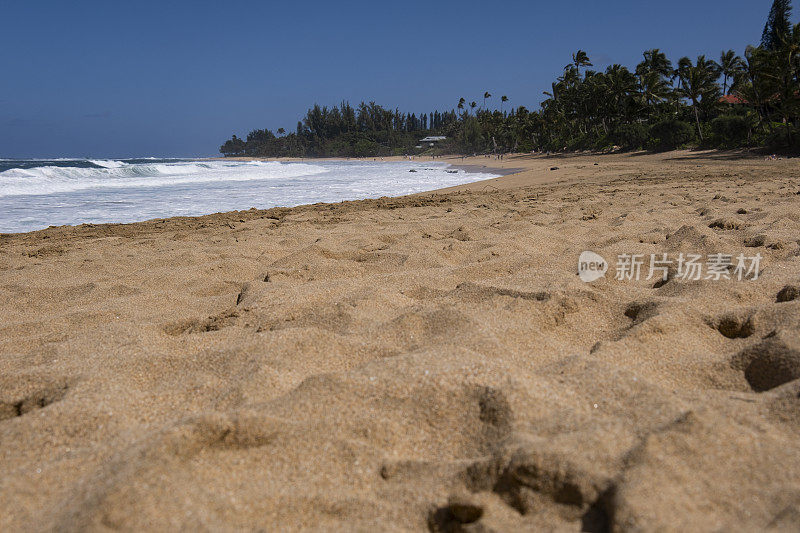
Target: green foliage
[(778, 25), (604, 143), (778, 138), (730, 130), (365, 148), (367, 131), (731, 67), (233, 146), (671, 134), (471, 137), (632, 136)]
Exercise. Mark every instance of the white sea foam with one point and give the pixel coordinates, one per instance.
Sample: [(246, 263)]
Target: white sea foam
[(120, 191), (107, 163), (119, 175)]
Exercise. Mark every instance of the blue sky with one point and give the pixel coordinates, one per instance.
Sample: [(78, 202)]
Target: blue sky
[(117, 79)]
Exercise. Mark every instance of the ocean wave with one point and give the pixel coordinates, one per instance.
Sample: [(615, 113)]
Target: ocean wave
[(113, 174), (107, 163), (147, 189)]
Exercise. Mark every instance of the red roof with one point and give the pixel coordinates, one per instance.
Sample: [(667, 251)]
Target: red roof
[(732, 99)]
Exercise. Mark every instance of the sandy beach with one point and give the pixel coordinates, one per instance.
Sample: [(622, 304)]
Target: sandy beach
[(430, 362)]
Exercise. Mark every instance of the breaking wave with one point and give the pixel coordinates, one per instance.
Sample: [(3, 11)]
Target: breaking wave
[(113, 174)]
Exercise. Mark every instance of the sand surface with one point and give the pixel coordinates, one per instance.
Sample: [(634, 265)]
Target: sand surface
[(427, 362)]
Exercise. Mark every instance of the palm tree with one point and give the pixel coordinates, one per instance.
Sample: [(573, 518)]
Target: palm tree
[(485, 96), (678, 76), (684, 64), (698, 83), (710, 65), (619, 83), (461, 103), (503, 99), (581, 59), (780, 69), (655, 61), (652, 75), (281, 131), (750, 83), (473, 105), (652, 87), (731, 66)]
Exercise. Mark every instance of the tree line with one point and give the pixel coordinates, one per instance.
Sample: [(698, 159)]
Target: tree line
[(752, 100)]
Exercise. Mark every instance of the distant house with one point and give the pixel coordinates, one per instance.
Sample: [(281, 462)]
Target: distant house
[(733, 99), (432, 140), (737, 99)]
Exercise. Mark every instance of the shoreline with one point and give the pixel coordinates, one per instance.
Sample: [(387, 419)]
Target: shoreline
[(488, 169), (523, 169), (468, 168)]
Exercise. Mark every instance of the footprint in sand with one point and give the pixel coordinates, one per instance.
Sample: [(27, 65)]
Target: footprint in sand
[(735, 325), (788, 294), (726, 224), (641, 311), (770, 363), (40, 398)]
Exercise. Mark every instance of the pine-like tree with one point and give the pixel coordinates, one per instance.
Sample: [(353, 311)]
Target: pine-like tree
[(778, 24)]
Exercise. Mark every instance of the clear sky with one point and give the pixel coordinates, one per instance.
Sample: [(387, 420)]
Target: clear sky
[(176, 78)]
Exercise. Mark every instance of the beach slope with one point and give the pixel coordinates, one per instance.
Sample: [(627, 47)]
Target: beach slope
[(431, 362)]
